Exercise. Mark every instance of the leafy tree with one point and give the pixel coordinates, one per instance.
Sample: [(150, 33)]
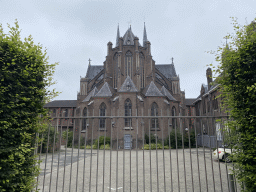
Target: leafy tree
[(238, 87), (24, 77)]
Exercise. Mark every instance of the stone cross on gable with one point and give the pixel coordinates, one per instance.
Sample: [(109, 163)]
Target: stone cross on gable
[(89, 61), (172, 60)]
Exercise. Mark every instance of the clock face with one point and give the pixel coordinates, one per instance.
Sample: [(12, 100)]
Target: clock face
[(128, 42)]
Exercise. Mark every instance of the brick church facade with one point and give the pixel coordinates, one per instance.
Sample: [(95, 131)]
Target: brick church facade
[(129, 83)]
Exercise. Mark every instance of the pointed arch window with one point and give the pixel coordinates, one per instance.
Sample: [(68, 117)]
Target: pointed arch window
[(128, 112), (174, 120), (142, 70), (103, 114), (115, 70), (84, 120), (128, 63), (154, 112)]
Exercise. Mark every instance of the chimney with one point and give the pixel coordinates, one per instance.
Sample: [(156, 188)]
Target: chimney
[(209, 77)]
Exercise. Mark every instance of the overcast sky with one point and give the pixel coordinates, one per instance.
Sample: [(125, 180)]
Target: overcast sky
[(75, 30)]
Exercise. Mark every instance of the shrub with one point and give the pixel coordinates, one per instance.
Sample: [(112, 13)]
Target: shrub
[(173, 139), (51, 130), (107, 147), (237, 85), (153, 146), (152, 139), (70, 137), (192, 139), (101, 141), (24, 77)]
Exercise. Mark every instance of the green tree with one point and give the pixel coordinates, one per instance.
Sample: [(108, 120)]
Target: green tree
[(24, 77), (238, 87)]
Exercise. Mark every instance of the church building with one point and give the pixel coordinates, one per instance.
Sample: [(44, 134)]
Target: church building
[(129, 83)]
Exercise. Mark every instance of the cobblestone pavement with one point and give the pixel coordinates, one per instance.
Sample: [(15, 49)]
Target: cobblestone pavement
[(131, 170)]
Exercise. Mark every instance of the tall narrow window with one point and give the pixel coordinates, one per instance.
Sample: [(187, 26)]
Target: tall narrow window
[(65, 113), (128, 112), (54, 112), (115, 70), (102, 114), (128, 64), (214, 103), (142, 76), (84, 120), (154, 112), (174, 120), (78, 112)]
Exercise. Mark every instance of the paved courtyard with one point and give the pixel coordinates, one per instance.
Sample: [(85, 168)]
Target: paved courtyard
[(161, 170)]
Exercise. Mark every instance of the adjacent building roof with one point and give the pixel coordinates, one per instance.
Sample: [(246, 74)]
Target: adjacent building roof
[(165, 92), (168, 70), (105, 91), (91, 94), (61, 103), (128, 86), (152, 90), (190, 101), (94, 70)]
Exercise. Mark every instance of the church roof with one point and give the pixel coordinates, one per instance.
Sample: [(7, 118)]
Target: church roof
[(129, 36), (105, 91), (61, 103), (152, 90), (91, 94), (168, 70), (165, 92), (190, 101), (94, 70), (128, 86)]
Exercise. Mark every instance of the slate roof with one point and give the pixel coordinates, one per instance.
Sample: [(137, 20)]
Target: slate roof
[(152, 90), (190, 101), (128, 86), (168, 70), (105, 91), (94, 70), (165, 92), (91, 94), (61, 103), (129, 36)]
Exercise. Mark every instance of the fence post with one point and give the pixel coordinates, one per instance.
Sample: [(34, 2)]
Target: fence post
[(231, 182)]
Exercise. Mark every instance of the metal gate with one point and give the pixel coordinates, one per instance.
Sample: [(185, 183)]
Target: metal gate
[(165, 162)]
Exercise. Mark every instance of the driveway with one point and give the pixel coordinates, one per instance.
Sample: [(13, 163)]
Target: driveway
[(133, 170)]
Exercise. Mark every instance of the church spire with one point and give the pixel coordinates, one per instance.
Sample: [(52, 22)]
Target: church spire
[(117, 36), (145, 36)]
